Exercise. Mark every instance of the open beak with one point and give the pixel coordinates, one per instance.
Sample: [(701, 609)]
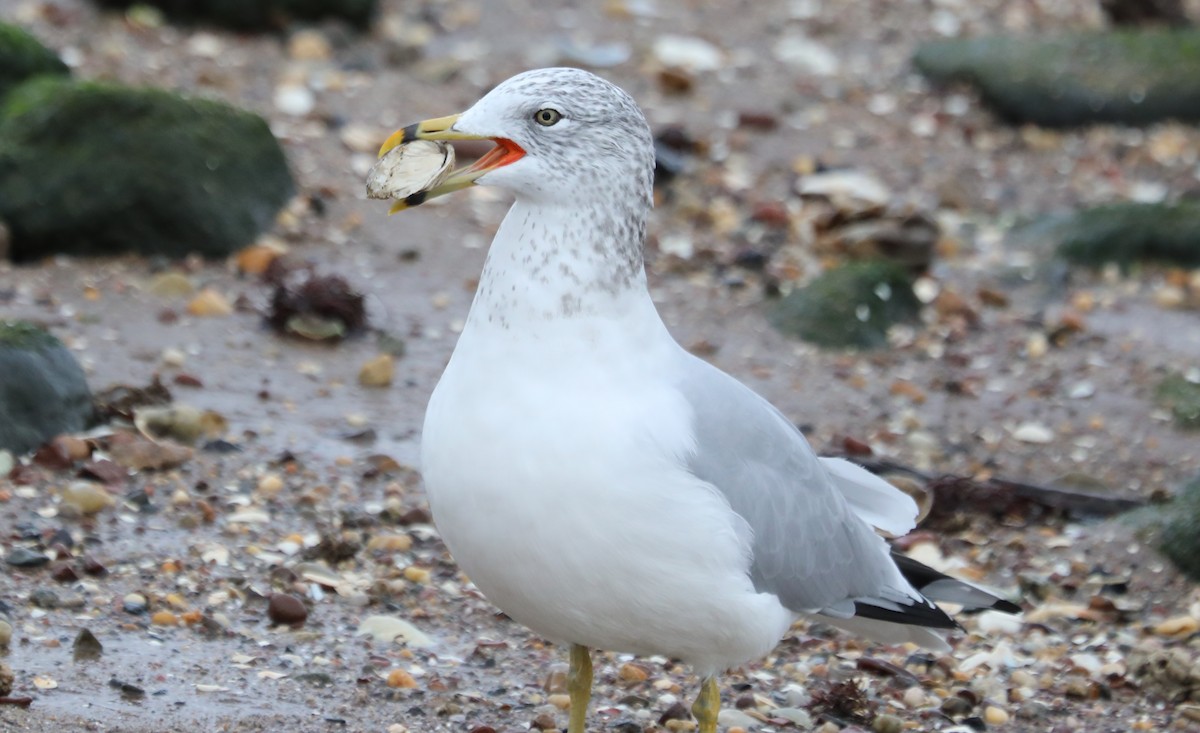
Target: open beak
[(442, 128)]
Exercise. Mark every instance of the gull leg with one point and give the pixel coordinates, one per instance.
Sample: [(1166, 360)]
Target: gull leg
[(579, 685), (707, 705)]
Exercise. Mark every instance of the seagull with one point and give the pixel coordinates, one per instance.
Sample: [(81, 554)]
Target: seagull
[(599, 483)]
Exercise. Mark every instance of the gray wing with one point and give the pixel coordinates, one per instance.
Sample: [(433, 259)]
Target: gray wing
[(809, 547)]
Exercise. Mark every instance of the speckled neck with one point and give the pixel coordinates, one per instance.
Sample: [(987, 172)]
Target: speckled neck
[(551, 262)]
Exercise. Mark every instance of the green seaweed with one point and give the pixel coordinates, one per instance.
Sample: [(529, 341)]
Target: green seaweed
[(851, 306)]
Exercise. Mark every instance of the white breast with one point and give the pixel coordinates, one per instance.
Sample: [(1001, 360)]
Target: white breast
[(568, 505)]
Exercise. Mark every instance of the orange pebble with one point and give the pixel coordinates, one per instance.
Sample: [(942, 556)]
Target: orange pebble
[(400, 678)]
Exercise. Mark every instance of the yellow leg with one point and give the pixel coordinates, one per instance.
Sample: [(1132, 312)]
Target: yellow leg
[(579, 685), (707, 705)]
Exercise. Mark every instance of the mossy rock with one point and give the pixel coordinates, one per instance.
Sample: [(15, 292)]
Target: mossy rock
[(257, 15), (90, 169), (23, 57), (1134, 76), (1179, 539), (1182, 398), (1133, 233), (851, 306), (43, 391)]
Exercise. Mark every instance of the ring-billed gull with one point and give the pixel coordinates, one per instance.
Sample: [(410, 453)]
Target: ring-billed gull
[(599, 483)]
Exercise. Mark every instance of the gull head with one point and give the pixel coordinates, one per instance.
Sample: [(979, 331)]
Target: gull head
[(563, 136)]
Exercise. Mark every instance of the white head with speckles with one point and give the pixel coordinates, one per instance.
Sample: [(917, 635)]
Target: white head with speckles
[(562, 135)]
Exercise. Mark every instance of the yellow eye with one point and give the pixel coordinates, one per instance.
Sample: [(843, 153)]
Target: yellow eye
[(547, 117)]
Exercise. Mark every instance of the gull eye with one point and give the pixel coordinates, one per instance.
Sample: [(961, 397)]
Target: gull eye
[(546, 116)]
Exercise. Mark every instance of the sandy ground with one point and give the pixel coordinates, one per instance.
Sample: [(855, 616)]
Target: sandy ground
[(299, 414)]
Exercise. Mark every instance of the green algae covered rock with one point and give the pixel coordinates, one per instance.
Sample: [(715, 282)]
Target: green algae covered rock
[(90, 169), (1133, 76), (1133, 233), (257, 15), (23, 57), (43, 391), (851, 306), (1179, 538), (1182, 398)]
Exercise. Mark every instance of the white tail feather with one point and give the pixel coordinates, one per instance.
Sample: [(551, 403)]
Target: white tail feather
[(874, 500)]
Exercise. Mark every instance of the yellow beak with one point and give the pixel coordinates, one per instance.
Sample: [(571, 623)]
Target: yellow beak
[(442, 128)]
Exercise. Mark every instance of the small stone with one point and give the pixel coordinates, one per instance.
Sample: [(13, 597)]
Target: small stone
[(560, 701), (1032, 432), (545, 721), (294, 99), (64, 573), (164, 618), (23, 557), (6, 631), (415, 574), (390, 543), (993, 715), (209, 302), (401, 679), (135, 603), (87, 647), (286, 609), (6, 680), (87, 497), (1177, 626), (730, 718), (93, 567), (270, 484), (171, 285), (914, 697), (955, 706), (309, 45), (44, 598), (378, 371), (632, 674), (886, 723)]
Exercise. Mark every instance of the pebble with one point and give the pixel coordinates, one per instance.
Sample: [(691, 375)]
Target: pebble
[(44, 598), (378, 371), (270, 484), (164, 618), (632, 674), (886, 723), (87, 646), (414, 574), (171, 285), (209, 302), (134, 603), (1177, 626), (1032, 432), (294, 99), (688, 52), (993, 715), (87, 497), (800, 718), (956, 706), (401, 679), (914, 697), (6, 679), (560, 700), (6, 631), (286, 609), (390, 543), (23, 557), (806, 55), (64, 573), (309, 45), (730, 718)]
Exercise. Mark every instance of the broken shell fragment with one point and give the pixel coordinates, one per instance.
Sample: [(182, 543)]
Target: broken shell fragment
[(410, 168)]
